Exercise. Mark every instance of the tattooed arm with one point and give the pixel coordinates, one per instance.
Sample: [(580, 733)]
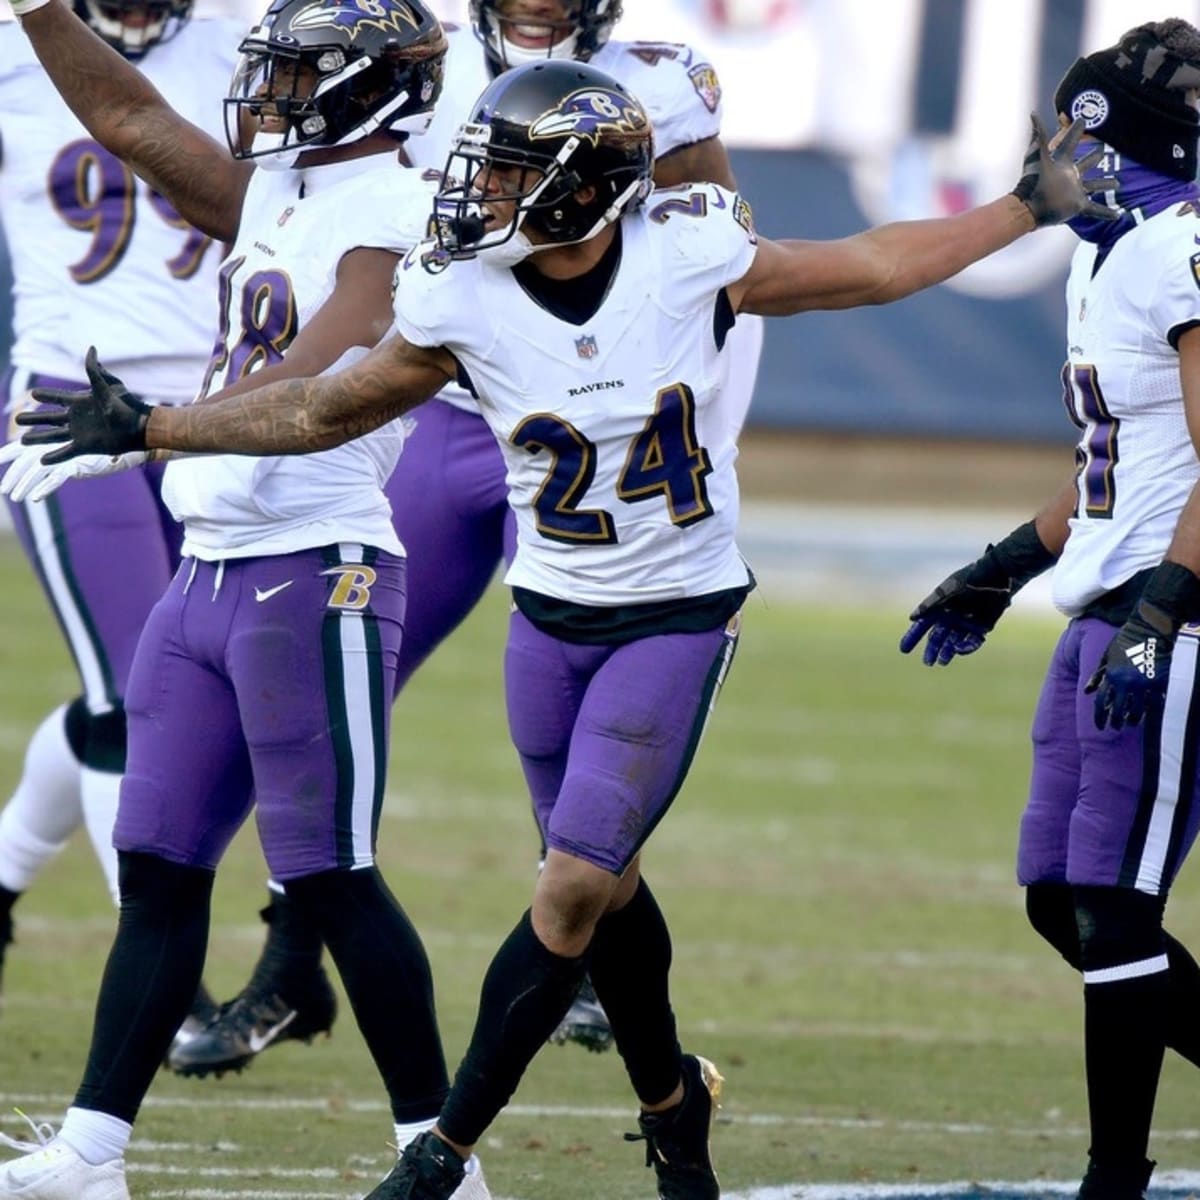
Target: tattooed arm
[(298, 416), (125, 113)]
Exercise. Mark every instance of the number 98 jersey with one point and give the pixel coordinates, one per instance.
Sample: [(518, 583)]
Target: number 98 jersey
[(1137, 461), (619, 454), (97, 257)]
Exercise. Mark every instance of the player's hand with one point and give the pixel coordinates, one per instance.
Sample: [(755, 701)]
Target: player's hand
[(1052, 186), (1132, 677), (958, 614), (107, 419), (28, 478)]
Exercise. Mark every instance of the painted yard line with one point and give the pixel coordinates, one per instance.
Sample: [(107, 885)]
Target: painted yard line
[(1173, 1184), (57, 1104)]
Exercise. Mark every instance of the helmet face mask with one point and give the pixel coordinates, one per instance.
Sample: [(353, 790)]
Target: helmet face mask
[(555, 152), (585, 26), (323, 73), (134, 27)]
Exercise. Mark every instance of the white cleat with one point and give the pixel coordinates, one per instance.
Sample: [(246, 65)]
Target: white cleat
[(51, 1170), (56, 1172)]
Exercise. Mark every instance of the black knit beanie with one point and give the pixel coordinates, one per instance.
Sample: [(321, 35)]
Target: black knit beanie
[(1131, 96)]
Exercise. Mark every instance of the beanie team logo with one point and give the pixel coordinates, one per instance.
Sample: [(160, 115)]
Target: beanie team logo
[(1092, 106)]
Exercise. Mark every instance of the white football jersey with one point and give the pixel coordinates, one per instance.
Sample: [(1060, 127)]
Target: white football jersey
[(1137, 460), (620, 458), (676, 86), (296, 227), (97, 257)]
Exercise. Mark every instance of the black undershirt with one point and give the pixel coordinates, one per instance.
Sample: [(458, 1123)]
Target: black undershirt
[(576, 300)]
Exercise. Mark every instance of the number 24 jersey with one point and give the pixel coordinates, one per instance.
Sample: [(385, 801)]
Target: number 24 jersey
[(619, 455)]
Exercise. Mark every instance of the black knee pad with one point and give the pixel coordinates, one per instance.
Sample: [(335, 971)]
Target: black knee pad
[(1050, 908), (1117, 926), (75, 726), (104, 747)]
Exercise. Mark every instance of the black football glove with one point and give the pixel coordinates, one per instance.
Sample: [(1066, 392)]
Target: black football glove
[(959, 613), (1131, 679), (963, 609), (107, 419), (1051, 186)]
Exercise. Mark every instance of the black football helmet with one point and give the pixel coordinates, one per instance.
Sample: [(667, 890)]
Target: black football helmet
[(588, 25), (132, 27), (570, 129), (331, 72)]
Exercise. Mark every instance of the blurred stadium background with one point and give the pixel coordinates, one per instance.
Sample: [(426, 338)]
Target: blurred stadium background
[(849, 939)]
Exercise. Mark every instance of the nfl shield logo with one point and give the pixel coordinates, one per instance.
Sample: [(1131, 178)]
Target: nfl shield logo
[(586, 346)]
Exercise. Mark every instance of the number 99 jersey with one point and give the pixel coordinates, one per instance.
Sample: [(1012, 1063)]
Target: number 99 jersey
[(619, 456), (1137, 461), (97, 257)]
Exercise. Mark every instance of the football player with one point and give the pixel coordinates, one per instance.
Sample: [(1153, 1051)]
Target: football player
[(588, 314), (448, 494), (264, 675), (98, 257), (1112, 809)]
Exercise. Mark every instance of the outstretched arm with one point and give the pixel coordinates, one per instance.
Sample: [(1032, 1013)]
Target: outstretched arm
[(893, 261), (289, 416), (125, 113), (299, 416)]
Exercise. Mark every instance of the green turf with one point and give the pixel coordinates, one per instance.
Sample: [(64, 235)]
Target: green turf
[(849, 942)]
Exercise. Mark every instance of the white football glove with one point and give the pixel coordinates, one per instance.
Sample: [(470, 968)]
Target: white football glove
[(28, 478)]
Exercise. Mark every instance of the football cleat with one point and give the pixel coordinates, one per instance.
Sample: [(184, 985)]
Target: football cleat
[(50, 1170), (246, 1025), (677, 1139), (204, 1010), (586, 1022), (429, 1169), (1116, 1182)]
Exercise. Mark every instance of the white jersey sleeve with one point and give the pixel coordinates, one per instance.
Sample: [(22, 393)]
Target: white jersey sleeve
[(677, 87), (709, 238)]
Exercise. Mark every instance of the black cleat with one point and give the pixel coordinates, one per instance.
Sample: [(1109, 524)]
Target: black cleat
[(586, 1022), (246, 1025), (677, 1139), (427, 1170), (203, 1012), (1110, 1181)]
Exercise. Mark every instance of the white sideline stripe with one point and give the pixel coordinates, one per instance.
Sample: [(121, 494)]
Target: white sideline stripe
[(1175, 1181), (51, 1108)]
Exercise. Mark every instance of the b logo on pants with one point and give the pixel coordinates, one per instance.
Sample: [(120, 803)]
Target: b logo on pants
[(353, 588)]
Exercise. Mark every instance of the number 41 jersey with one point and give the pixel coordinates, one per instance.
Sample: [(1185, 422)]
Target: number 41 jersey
[(620, 458), (1137, 461), (98, 258)]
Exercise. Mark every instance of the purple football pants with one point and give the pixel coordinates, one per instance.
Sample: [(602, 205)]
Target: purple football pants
[(1110, 808), (606, 734), (265, 681), (104, 551), (450, 509)]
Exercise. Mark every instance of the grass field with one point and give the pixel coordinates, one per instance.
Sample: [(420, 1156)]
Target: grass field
[(850, 946)]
